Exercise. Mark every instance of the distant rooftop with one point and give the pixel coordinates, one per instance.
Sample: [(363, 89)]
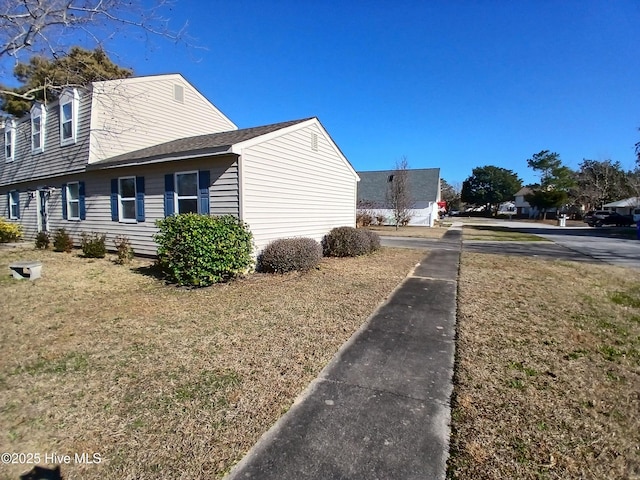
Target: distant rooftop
[(424, 184)]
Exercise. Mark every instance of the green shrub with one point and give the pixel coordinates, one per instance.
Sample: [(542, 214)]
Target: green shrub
[(93, 245), (124, 251), (345, 242), (62, 241), (199, 250), (9, 231), (43, 240), (289, 254)]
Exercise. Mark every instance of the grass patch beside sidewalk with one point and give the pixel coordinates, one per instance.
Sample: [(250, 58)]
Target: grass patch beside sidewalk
[(165, 382), (497, 234), (418, 232), (548, 371)]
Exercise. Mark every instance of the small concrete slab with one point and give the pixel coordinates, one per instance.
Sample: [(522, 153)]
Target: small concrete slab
[(418, 367), (440, 265), (377, 438), (421, 308), (27, 269)]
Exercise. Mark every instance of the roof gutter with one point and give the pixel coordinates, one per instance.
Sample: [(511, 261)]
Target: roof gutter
[(105, 165)]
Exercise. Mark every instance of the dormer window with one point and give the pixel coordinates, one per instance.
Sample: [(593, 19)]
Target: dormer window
[(38, 118), (69, 116), (9, 140)]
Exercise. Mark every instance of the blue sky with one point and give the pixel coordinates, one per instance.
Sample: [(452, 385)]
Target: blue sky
[(448, 84)]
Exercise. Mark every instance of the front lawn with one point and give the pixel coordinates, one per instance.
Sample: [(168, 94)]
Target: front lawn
[(165, 382), (547, 374)]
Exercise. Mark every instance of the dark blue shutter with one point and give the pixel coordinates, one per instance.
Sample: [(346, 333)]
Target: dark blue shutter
[(8, 204), (114, 200), (81, 203), (203, 191), (168, 195), (140, 199), (64, 201), (17, 205)]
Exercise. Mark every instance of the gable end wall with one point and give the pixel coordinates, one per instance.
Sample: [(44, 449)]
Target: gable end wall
[(290, 190)]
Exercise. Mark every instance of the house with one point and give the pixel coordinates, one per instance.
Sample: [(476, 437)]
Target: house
[(424, 192), (523, 209), (117, 156), (627, 206)]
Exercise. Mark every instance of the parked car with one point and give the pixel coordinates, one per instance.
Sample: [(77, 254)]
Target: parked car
[(598, 218)]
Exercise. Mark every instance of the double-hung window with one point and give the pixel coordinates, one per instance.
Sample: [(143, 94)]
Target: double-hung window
[(73, 201), (14, 205), (187, 192), (69, 100), (9, 140), (38, 118), (127, 199)]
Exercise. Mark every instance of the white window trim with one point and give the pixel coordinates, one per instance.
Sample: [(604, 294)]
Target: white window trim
[(38, 110), (12, 203), (10, 132), (69, 201), (121, 219), (177, 197), (69, 96)]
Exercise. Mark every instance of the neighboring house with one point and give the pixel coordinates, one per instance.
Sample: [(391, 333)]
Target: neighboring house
[(627, 206), (119, 155), (523, 209), (424, 186)]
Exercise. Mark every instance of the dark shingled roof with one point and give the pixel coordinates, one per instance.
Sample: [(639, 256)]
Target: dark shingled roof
[(423, 182), (213, 143)]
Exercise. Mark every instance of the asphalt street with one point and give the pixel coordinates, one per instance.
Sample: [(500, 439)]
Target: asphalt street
[(580, 244)]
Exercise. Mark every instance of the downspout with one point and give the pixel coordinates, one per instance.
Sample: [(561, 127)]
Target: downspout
[(240, 187)]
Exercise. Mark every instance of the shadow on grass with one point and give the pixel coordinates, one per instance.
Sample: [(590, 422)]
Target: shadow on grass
[(608, 232), (153, 270)]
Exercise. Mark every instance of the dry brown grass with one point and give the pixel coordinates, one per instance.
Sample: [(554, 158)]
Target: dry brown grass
[(497, 233), (166, 382), (420, 232), (548, 371)]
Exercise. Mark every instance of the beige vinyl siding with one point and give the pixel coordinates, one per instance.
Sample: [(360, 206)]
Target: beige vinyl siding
[(55, 160), (290, 190), (136, 113), (223, 199)]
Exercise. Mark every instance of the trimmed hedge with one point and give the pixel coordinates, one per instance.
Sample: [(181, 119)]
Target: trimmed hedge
[(200, 250), (374, 239), (349, 242), (290, 254)]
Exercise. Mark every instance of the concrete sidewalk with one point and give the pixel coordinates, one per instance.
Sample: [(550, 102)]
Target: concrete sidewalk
[(380, 409)]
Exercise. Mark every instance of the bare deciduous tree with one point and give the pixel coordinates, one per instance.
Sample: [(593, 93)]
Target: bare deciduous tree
[(398, 193), (600, 182), (49, 28)]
